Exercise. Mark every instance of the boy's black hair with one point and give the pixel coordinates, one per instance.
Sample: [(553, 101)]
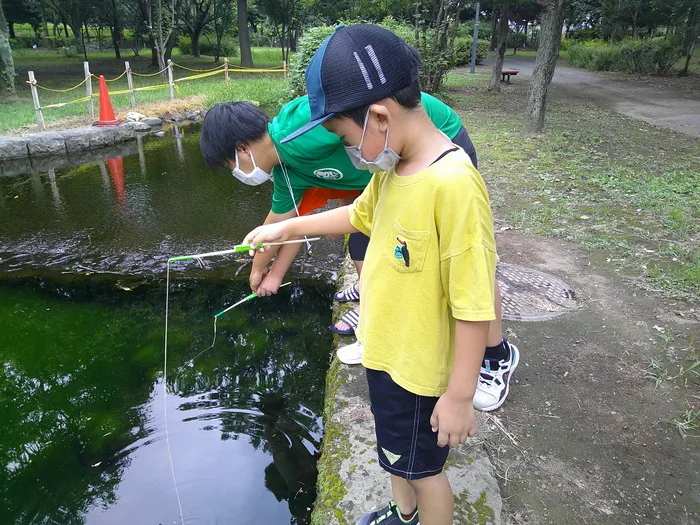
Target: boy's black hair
[(227, 125), (407, 98)]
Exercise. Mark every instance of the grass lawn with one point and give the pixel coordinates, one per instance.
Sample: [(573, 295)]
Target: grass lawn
[(626, 191), (57, 71)]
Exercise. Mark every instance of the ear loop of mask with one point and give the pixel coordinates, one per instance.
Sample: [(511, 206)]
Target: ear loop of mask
[(283, 168), (362, 140), (252, 158)]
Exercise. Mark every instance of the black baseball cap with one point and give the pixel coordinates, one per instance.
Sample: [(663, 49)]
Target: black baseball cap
[(356, 66)]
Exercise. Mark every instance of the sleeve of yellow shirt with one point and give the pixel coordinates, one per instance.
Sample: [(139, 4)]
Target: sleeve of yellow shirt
[(362, 210), (467, 246)]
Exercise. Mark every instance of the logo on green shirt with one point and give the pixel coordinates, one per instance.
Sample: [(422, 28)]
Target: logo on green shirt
[(329, 174)]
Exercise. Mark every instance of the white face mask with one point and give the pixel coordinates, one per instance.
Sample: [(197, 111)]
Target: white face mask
[(255, 177), (386, 160)]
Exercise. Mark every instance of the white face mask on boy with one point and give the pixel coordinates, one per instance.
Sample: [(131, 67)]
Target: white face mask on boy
[(255, 177), (386, 159)]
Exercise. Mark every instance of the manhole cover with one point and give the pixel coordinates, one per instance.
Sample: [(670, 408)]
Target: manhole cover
[(529, 295)]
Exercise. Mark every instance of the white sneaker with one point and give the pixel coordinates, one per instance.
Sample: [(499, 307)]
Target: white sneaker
[(350, 354), (492, 387)]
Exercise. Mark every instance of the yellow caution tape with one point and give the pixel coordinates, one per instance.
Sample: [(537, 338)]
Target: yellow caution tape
[(61, 104), (201, 75)]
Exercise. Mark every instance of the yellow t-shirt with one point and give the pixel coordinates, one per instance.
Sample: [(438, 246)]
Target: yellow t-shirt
[(442, 218)]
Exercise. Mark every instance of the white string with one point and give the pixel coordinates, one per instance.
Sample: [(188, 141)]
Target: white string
[(283, 168), (165, 390)]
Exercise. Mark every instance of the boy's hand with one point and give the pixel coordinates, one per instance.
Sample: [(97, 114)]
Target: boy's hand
[(453, 419), (269, 233), (256, 277), (269, 285)]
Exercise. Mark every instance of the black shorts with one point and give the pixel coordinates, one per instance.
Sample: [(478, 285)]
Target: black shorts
[(406, 444), (357, 245)]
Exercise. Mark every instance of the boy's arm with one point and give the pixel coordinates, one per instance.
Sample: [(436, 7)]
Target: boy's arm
[(453, 416), (262, 260), (333, 222)]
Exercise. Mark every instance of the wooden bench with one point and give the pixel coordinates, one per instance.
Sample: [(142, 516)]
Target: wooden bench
[(505, 72)]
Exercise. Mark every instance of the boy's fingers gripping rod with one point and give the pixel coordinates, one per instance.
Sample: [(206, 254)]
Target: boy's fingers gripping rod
[(245, 299), (240, 248)]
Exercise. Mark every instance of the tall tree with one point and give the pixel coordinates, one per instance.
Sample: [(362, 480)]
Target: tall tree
[(161, 22), (196, 15), (503, 29), (7, 64), (551, 21), (222, 19), (115, 29), (243, 34), (691, 34), (76, 13)]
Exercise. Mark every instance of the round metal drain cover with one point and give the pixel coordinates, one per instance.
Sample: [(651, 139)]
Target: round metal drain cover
[(529, 295)]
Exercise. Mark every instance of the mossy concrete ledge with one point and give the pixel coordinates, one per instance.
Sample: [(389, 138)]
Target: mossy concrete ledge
[(351, 482)]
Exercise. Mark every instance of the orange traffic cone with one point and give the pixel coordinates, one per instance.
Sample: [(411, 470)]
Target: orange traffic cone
[(107, 117)]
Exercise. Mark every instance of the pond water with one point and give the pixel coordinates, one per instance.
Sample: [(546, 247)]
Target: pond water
[(82, 294)]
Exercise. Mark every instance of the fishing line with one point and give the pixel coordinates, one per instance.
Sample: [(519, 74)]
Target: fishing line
[(165, 391)]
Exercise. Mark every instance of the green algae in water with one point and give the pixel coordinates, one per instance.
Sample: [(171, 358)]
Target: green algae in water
[(82, 407)]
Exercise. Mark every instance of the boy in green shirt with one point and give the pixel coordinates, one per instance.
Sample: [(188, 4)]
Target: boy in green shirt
[(430, 263), (306, 173)]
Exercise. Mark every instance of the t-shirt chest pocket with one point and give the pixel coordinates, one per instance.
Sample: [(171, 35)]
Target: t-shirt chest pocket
[(410, 248)]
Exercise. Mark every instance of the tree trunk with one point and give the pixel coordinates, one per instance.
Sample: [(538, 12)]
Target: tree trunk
[(550, 40), (501, 48), (243, 35), (11, 26), (691, 37), (44, 24), (170, 45), (195, 36), (494, 26), (116, 31), (77, 36), (7, 64)]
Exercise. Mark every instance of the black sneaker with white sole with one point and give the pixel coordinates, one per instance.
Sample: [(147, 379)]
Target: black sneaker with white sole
[(389, 515), (493, 385)]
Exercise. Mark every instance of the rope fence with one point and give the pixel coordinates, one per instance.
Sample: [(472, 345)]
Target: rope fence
[(226, 68)]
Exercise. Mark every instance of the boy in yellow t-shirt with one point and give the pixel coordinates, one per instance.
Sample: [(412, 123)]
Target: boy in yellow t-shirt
[(430, 263)]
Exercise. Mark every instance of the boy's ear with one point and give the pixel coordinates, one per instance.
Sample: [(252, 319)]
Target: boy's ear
[(379, 118)]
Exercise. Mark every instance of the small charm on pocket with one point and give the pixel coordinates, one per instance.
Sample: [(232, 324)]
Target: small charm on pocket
[(401, 252)]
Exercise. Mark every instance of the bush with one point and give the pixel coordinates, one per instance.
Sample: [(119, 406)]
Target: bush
[(466, 30), (308, 45), (582, 35), (463, 51), (650, 56), (23, 42), (207, 46)]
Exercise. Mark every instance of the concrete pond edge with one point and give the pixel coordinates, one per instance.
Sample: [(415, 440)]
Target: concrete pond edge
[(351, 482)]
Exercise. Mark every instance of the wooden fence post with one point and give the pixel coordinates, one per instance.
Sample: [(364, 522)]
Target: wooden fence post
[(226, 68), (170, 79), (35, 98), (88, 89), (130, 83)]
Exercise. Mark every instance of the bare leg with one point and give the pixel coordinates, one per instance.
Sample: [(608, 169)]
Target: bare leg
[(436, 504), (404, 495), (496, 326)]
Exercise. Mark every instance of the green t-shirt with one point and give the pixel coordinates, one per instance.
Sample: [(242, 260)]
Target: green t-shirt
[(317, 159)]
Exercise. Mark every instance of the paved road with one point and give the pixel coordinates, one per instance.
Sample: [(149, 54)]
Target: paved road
[(661, 106)]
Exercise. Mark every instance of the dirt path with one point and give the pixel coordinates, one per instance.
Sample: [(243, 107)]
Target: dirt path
[(590, 438), (662, 106)]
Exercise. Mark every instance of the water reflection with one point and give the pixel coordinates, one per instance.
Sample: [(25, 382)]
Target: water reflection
[(128, 211), (82, 408)]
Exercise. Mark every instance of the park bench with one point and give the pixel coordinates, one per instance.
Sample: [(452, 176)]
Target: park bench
[(506, 72)]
